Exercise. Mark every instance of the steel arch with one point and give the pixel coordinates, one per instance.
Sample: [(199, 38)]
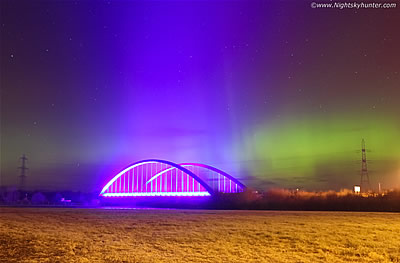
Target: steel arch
[(148, 161), (209, 167)]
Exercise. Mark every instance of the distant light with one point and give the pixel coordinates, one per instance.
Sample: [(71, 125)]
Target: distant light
[(63, 200), (357, 189)]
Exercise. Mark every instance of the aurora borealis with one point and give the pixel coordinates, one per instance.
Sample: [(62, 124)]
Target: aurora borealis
[(273, 92)]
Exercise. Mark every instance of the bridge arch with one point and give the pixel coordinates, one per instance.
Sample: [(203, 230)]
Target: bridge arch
[(223, 182), (175, 180)]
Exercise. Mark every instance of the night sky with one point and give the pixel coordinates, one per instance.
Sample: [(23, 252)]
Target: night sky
[(273, 92)]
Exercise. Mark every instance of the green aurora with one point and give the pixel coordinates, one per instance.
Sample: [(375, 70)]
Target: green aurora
[(310, 152)]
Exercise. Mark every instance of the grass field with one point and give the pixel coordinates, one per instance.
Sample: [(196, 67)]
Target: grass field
[(100, 235)]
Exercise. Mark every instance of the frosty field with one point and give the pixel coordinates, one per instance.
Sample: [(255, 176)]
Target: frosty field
[(101, 235)]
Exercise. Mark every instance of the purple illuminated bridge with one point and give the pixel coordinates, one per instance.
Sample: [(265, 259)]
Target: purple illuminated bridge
[(164, 178)]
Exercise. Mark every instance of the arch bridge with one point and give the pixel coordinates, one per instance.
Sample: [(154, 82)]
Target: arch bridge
[(155, 177)]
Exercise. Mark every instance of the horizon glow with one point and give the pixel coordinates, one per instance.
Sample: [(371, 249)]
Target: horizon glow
[(156, 194)]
